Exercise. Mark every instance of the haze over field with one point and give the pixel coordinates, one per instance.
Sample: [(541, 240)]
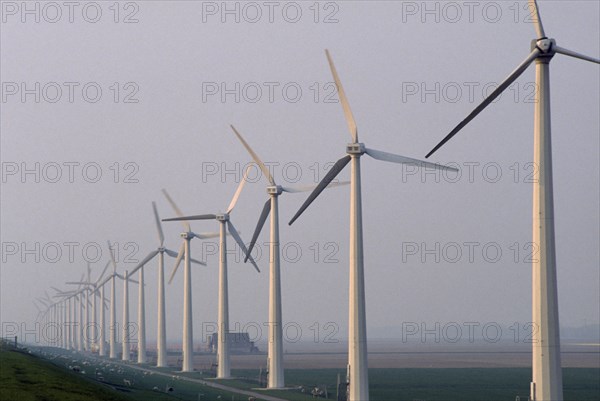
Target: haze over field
[(97, 117)]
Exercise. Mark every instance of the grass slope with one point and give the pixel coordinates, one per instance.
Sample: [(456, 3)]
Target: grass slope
[(24, 377)]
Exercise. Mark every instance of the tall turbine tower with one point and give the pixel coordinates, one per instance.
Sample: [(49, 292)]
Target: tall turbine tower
[(161, 336), (546, 383), (223, 364), (358, 381)]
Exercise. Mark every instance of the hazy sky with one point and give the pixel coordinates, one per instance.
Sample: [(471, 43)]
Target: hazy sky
[(137, 97)]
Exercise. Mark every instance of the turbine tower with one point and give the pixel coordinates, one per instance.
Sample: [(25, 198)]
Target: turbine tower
[(223, 364), (185, 250), (161, 336), (546, 383), (358, 381)]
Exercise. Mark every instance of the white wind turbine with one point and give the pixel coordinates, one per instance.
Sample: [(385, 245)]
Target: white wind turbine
[(185, 250), (358, 387), (223, 363), (91, 287), (113, 310), (161, 337), (275, 340), (546, 383)]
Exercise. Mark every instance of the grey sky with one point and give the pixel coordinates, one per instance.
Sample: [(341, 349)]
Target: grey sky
[(177, 54)]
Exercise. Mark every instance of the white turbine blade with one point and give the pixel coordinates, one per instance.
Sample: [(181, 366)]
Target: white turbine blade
[(78, 282), (177, 261), (106, 280), (257, 160), (112, 257), (238, 191), (239, 241), (178, 212), (206, 235), (505, 84), (161, 236), (194, 217), (537, 20), (103, 272), (146, 260), (571, 53), (307, 188), (56, 289), (393, 158), (343, 99)]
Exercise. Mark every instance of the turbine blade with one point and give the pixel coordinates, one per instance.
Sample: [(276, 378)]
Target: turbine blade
[(393, 158), (306, 188), (261, 222), (198, 262), (112, 257), (343, 100), (537, 20), (206, 235), (103, 271), (571, 53), (331, 174), (171, 253), (178, 212), (257, 160), (196, 217), (239, 241), (161, 236), (238, 191), (146, 260), (509, 80), (56, 289), (177, 261)]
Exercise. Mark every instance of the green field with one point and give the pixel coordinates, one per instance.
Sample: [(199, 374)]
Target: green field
[(25, 376), (460, 384)]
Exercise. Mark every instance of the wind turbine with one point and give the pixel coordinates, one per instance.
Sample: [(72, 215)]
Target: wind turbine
[(358, 389), (161, 338), (185, 250), (223, 365), (113, 309), (91, 287), (546, 383), (275, 340)]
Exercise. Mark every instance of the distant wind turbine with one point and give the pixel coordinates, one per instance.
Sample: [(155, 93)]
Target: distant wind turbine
[(358, 389), (161, 336), (223, 368), (275, 338), (185, 251)]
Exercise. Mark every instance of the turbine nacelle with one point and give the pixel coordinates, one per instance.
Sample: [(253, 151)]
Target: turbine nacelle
[(187, 235), (275, 190), (222, 217), (357, 149)]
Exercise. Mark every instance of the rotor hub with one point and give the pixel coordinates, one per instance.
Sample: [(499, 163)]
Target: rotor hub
[(545, 45), (161, 249), (186, 235)]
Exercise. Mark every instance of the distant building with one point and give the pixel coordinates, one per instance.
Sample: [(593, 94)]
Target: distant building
[(239, 343)]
